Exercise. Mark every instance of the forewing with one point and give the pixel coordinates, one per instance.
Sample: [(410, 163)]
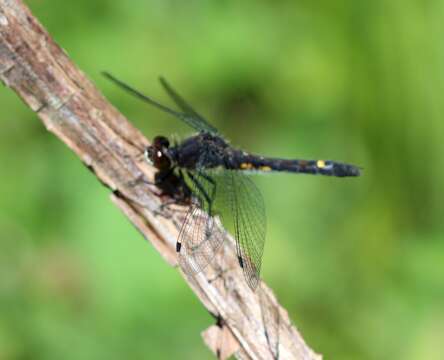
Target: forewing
[(191, 116)]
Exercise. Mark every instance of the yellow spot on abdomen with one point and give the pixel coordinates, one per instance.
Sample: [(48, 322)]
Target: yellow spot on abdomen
[(246, 166), (320, 164), (265, 168)]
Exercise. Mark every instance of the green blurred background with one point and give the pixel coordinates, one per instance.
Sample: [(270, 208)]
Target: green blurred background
[(357, 262)]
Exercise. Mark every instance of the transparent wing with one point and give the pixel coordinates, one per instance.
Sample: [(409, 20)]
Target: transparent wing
[(196, 120), (249, 220), (200, 238), (189, 116), (239, 202)]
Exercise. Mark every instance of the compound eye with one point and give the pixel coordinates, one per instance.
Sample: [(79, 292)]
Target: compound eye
[(161, 142), (157, 157), (161, 160)]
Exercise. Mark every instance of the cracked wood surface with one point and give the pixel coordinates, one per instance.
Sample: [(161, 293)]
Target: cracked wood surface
[(71, 107)]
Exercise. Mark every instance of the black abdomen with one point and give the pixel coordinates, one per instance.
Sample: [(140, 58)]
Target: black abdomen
[(247, 162)]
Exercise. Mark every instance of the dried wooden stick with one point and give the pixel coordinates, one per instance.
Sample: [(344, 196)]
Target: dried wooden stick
[(70, 106)]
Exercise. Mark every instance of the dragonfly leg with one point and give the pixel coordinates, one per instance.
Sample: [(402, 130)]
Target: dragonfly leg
[(202, 197), (139, 180), (162, 176), (160, 209), (211, 182), (208, 198)]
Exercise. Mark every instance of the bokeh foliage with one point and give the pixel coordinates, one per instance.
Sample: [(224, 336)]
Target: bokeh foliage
[(357, 262)]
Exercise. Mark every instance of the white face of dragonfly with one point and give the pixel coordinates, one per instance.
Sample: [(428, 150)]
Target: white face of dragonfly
[(147, 156)]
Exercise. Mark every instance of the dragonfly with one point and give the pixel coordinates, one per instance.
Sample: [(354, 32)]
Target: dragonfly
[(206, 168)]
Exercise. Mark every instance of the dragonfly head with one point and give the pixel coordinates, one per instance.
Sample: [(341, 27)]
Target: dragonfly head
[(157, 153)]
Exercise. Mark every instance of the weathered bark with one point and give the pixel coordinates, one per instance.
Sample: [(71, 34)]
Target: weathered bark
[(70, 106)]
